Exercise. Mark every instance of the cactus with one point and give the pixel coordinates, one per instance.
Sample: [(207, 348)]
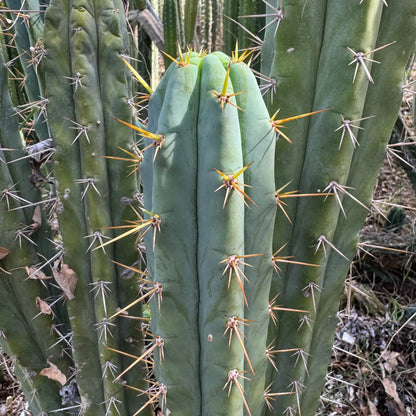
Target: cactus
[(83, 43), (330, 152), (209, 136), (26, 333), (237, 236)]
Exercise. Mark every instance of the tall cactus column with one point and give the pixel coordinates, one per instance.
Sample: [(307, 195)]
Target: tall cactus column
[(214, 142), (382, 104), (26, 333), (320, 160), (83, 39), (258, 142), (175, 309), (220, 237)]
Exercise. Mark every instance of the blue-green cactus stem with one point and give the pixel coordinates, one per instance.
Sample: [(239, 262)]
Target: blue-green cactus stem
[(175, 309), (146, 168), (220, 235)]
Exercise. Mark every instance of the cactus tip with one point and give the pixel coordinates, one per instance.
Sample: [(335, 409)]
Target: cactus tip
[(223, 97)]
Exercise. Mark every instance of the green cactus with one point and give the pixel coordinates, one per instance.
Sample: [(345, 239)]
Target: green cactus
[(211, 24), (210, 143), (83, 43), (28, 40), (27, 334), (326, 153)]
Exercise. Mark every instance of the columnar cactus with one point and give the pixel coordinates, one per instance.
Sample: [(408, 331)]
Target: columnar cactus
[(355, 61), (87, 86), (215, 140), (26, 333)]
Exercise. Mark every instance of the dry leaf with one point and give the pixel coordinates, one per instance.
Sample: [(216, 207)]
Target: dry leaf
[(3, 252), (391, 390), (66, 279), (43, 306), (54, 373), (390, 359), (34, 273), (373, 409)]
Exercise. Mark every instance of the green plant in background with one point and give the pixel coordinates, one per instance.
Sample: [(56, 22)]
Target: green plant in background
[(247, 240), (86, 85), (338, 151)]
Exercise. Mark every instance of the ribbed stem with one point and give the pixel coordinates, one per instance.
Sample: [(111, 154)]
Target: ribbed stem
[(383, 101)]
